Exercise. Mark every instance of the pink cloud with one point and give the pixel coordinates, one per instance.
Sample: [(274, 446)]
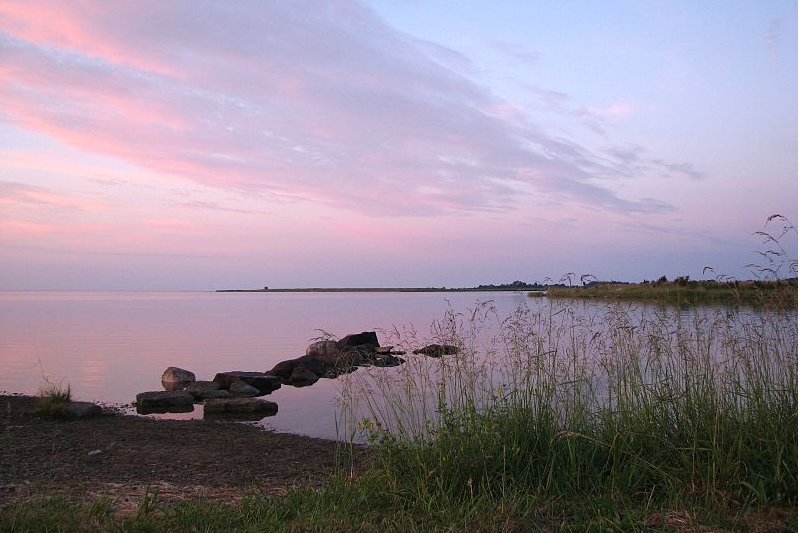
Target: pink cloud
[(336, 108)]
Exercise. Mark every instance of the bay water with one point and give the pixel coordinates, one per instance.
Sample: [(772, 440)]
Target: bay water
[(109, 346)]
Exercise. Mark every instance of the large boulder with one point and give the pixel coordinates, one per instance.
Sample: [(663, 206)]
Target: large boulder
[(322, 348), (437, 350), (164, 401), (300, 372), (302, 377), (173, 375), (365, 338), (265, 383), (240, 405)]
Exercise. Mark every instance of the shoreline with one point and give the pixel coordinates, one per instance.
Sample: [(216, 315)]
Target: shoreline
[(383, 289), (116, 454)]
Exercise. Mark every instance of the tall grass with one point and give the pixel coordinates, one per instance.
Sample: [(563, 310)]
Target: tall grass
[(635, 407)]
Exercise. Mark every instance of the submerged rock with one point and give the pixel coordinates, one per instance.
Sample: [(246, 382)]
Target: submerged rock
[(437, 350), (241, 405)]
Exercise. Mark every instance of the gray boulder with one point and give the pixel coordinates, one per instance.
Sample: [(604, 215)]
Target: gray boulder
[(265, 383), (242, 389), (240, 405), (164, 401), (174, 374)]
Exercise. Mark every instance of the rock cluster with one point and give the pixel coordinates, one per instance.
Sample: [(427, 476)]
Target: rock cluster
[(235, 391)]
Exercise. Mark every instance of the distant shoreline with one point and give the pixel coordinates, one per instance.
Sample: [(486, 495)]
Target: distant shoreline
[(387, 289)]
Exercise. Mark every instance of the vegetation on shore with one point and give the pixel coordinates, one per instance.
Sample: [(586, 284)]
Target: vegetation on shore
[(624, 421), (53, 398), (684, 291)]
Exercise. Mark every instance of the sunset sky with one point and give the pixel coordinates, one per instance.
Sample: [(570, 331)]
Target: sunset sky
[(217, 144)]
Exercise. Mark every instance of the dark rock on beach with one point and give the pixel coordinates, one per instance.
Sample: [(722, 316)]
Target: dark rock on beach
[(164, 401), (82, 410), (265, 383)]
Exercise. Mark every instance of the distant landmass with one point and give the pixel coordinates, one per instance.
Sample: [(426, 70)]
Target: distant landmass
[(514, 286)]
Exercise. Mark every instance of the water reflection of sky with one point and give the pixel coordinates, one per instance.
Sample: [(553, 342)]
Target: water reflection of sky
[(110, 346)]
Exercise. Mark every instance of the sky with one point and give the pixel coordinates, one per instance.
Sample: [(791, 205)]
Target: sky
[(202, 145)]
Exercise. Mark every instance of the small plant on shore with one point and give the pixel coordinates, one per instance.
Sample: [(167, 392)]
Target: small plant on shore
[(53, 397)]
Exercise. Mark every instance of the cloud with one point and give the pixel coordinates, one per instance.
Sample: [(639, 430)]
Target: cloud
[(633, 161), (516, 51), (15, 194), (335, 108)]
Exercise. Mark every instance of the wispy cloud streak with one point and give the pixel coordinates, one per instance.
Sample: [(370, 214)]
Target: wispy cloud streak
[(336, 108)]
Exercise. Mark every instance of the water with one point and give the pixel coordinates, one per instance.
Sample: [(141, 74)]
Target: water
[(109, 346)]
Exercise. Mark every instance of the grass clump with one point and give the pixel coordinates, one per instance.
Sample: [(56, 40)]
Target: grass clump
[(52, 399)]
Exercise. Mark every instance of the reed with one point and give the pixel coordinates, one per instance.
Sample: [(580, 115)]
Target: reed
[(637, 408)]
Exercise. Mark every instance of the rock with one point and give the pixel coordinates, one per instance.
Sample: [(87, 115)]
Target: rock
[(174, 385), (300, 372), (240, 388), (313, 363), (365, 338), (437, 350), (387, 360), (174, 374), (351, 356), (303, 376), (322, 348), (241, 405), (265, 383), (164, 401), (203, 390), (82, 409)]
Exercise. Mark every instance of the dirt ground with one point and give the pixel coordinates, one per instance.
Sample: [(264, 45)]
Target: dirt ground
[(123, 457)]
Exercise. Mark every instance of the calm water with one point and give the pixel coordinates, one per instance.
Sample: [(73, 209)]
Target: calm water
[(109, 346)]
